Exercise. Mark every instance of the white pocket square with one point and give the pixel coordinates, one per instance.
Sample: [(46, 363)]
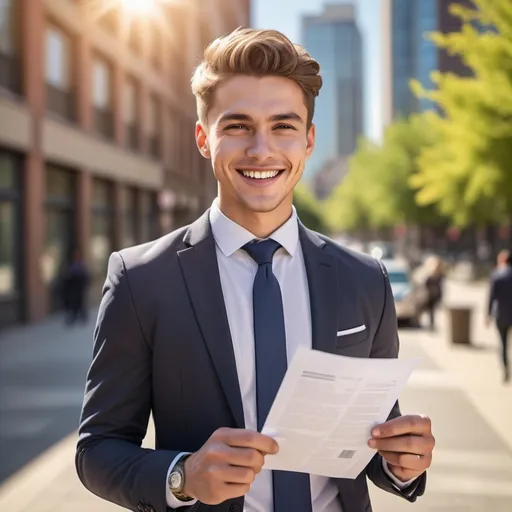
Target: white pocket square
[(354, 330)]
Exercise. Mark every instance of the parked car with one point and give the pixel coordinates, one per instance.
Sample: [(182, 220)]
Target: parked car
[(380, 250), (407, 293)]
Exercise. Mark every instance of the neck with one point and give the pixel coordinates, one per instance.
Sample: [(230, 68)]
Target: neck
[(260, 224)]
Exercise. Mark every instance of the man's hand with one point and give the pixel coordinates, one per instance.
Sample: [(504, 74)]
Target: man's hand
[(406, 444), (226, 465)]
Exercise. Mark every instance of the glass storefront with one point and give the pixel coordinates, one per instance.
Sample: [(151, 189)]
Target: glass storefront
[(148, 216), (59, 242), (10, 238), (131, 219), (102, 227)]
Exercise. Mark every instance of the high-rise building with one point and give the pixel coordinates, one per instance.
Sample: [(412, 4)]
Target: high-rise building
[(408, 54), (97, 148), (334, 39)]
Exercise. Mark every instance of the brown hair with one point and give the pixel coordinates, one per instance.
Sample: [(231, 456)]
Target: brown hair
[(255, 52)]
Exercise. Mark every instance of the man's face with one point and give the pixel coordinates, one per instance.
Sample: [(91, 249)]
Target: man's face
[(258, 141)]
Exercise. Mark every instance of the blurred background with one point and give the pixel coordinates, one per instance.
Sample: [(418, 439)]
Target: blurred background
[(412, 161)]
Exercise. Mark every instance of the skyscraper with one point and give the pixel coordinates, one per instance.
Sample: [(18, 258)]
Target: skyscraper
[(334, 39), (408, 54)]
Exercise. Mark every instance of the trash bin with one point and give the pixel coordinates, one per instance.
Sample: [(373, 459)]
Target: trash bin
[(460, 324)]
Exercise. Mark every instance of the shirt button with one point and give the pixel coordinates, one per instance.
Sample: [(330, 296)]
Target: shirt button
[(235, 507)]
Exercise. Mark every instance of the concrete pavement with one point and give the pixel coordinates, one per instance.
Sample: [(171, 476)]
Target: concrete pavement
[(459, 387)]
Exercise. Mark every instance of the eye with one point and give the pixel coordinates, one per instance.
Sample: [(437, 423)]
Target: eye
[(236, 127), (284, 127)]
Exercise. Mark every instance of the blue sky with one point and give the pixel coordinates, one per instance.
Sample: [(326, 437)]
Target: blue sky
[(285, 15)]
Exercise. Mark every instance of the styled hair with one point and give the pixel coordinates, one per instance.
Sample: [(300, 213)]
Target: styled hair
[(254, 52)]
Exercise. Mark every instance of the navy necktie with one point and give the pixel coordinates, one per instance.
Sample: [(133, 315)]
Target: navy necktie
[(291, 490)]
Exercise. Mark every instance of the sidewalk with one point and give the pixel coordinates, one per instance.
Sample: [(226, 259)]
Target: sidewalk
[(458, 387), (461, 389)]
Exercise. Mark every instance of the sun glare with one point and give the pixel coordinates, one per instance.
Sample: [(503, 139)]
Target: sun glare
[(139, 6)]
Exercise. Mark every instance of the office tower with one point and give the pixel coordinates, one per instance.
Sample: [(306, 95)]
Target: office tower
[(334, 39), (407, 53)]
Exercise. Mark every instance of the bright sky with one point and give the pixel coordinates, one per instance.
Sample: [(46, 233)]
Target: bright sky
[(285, 15)]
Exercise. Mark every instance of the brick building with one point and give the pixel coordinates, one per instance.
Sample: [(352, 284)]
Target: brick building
[(96, 134)]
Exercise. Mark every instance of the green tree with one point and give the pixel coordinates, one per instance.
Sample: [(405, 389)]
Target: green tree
[(377, 192), (309, 209), (468, 173)]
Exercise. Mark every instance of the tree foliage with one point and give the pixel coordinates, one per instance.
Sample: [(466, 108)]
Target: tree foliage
[(377, 191), (309, 209), (468, 173)]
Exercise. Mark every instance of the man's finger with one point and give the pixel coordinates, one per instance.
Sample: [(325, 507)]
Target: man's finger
[(407, 460), (417, 445), (244, 457), (404, 474), (243, 438), (410, 424)]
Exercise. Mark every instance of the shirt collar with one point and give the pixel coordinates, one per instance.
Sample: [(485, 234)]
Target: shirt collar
[(230, 236)]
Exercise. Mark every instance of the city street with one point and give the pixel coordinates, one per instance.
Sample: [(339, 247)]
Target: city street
[(42, 372)]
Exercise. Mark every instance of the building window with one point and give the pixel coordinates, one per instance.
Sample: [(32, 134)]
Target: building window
[(9, 224), (153, 127), (60, 230), (102, 98), (102, 227), (155, 42), (10, 73), (59, 96), (135, 36), (148, 216), (130, 114), (131, 218), (110, 20)]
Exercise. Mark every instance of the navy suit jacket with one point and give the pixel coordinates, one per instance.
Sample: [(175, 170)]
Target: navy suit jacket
[(162, 345), (500, 296)]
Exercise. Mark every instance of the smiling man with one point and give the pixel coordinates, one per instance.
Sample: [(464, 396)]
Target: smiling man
[(199, 326)]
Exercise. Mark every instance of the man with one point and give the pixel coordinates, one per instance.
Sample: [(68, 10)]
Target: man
[(76, 280), (500, 304), (198, 327)]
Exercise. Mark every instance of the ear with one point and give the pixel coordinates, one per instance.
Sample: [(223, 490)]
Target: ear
[(311, 136), (202, 140)]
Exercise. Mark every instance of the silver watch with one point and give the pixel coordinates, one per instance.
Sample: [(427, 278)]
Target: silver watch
[(176, 480)]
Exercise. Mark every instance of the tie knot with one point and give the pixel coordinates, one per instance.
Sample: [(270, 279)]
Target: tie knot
[(262, 252)]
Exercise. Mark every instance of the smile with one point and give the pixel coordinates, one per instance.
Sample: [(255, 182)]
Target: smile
[(259, 175)]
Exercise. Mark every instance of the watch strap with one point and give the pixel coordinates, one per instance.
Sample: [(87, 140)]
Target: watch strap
[(180, 465)]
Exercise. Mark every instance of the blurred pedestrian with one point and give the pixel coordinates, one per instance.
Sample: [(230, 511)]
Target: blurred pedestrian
[(75, 283), (198, 326), (434, 285), (500, 304), (502, 258)]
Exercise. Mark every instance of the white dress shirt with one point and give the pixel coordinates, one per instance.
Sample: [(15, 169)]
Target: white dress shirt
[(237, 272)]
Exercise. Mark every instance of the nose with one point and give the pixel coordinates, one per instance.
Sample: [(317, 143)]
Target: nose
[(260, 146)]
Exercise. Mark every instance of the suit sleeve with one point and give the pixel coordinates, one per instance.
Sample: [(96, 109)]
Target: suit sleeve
[(386, 345), (109, 459)]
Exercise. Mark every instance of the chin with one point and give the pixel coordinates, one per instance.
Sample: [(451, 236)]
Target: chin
[(262, 205)]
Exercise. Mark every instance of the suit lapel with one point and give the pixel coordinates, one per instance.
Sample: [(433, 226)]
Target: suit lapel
[(323, 285), (201, 272)]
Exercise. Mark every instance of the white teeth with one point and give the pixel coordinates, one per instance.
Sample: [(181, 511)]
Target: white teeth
[(260, 175)]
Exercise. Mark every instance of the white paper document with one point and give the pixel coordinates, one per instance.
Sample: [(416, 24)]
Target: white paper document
[(326, 407)]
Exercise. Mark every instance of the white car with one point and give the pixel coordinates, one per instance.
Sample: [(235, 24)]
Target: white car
[(406, 292)]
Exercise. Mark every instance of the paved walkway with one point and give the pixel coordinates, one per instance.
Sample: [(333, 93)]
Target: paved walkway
[(459, 387)]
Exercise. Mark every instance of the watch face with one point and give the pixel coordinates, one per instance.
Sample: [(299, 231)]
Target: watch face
[(175, 480)]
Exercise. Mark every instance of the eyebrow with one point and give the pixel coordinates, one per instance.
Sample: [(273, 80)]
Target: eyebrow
[(288, 116)]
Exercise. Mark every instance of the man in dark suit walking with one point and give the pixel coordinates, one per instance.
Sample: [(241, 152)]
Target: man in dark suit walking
[(199, 326), (500, 304)]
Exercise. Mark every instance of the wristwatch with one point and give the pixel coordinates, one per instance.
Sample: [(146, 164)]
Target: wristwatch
[(176, 480)]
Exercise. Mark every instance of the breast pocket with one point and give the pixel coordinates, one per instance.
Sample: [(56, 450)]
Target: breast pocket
[(351, 336)]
